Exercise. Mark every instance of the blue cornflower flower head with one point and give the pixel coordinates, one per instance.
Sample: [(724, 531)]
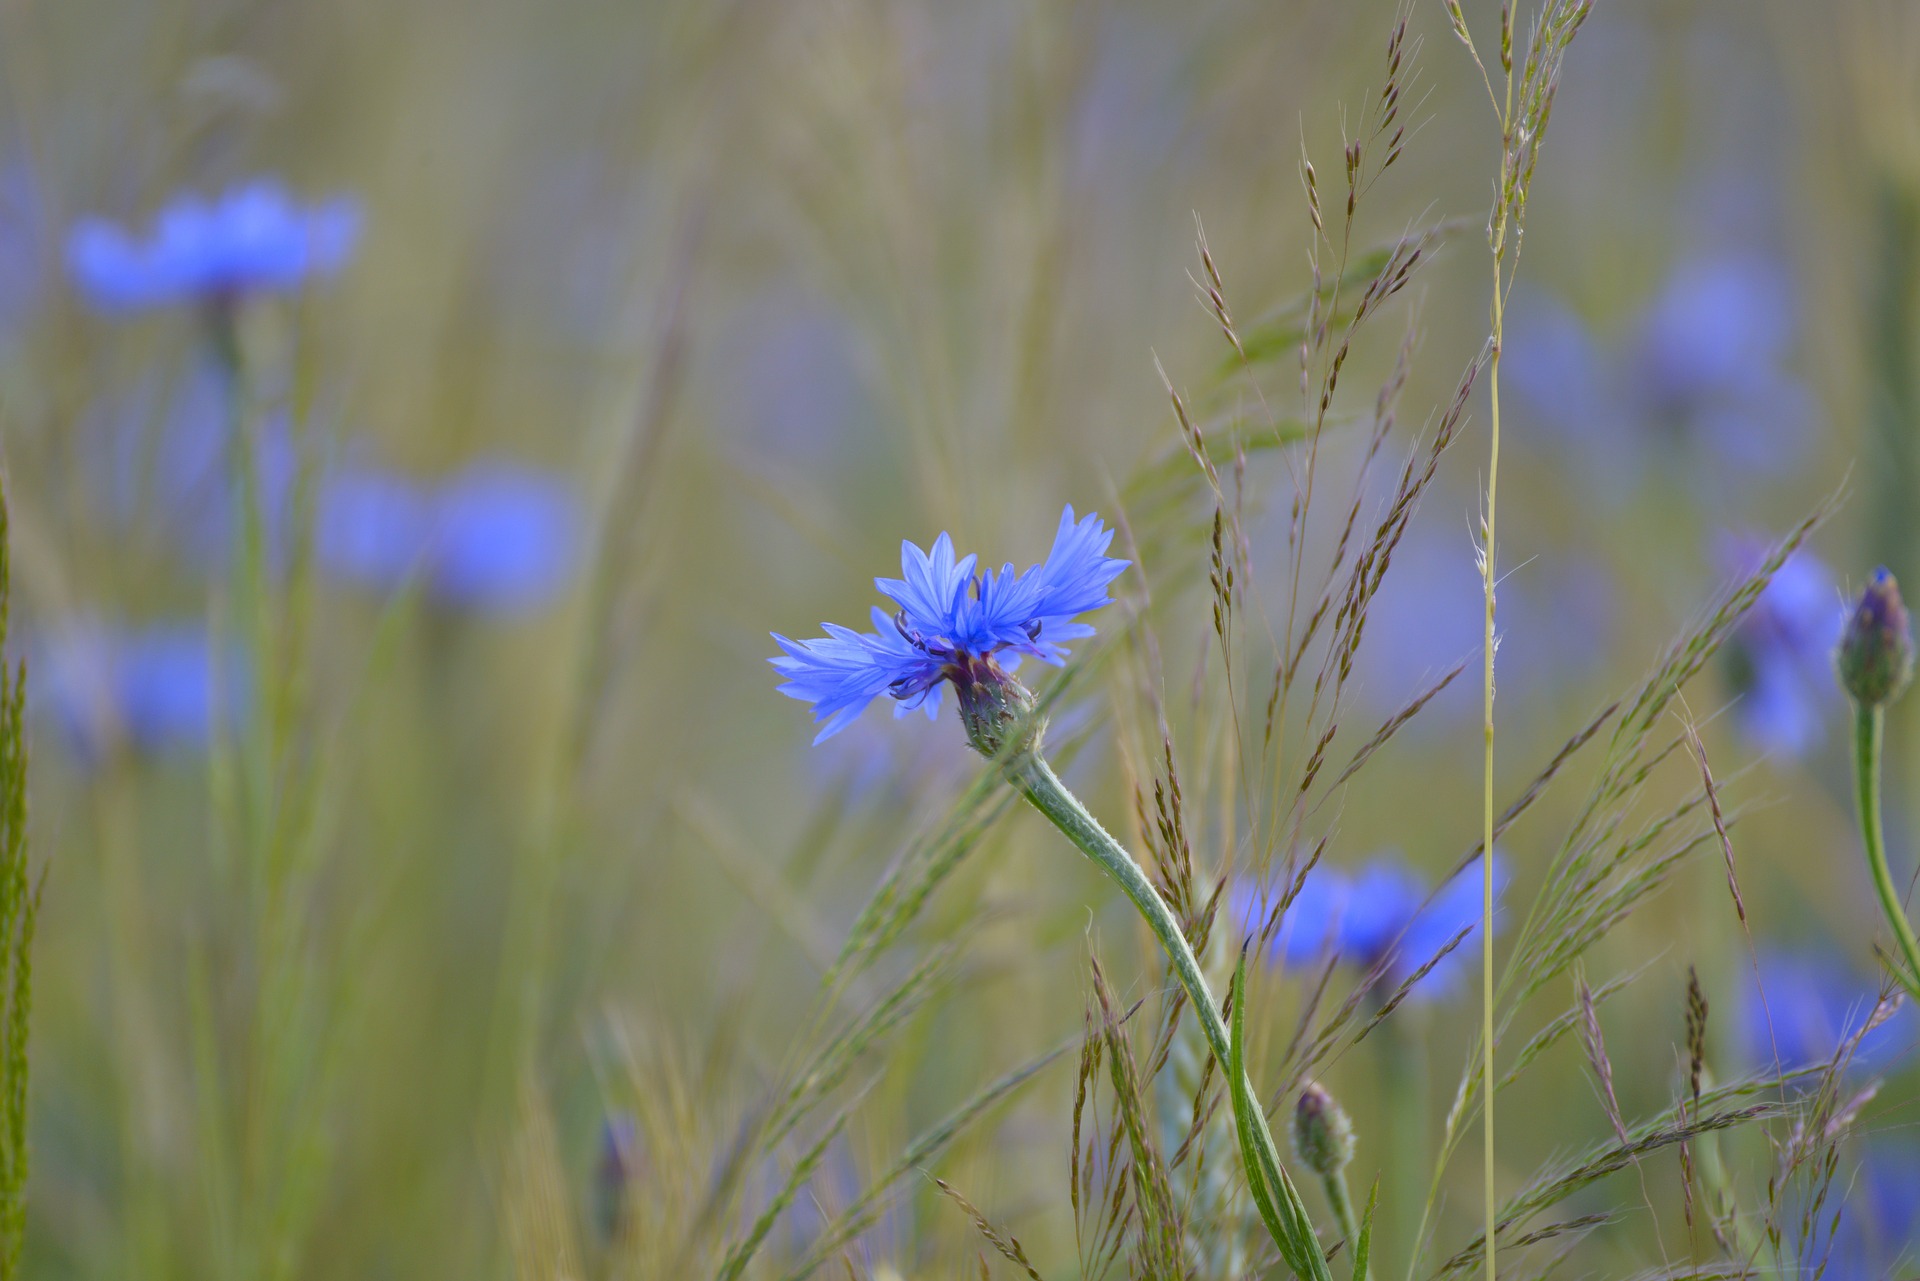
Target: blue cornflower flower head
[(835, 1182), (953, 625), (1382, 918), (506, 538), (159, 689), (254, 239), (1379, 918), (1780, 657), (1806, 1004)]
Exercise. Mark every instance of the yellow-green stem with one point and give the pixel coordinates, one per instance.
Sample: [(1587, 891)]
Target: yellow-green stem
[(1486, 864), (1868, 730)]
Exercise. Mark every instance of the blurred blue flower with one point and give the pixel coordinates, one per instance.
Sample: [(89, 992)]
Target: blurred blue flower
[(1879, 1220), (253, 239), (1702, 364), (788, 369), (1429, 614), (1718, 326), (1381, 917), (1804, 1004), (159, 689), (371, 527), (1780, 657), (505, 537), (949, 617), (496, 537)]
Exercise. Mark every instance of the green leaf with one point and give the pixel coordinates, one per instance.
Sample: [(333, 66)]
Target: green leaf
[(1271, 1188), (1364, 1245)]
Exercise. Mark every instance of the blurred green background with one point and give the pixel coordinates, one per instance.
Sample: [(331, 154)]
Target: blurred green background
[(763, 289)]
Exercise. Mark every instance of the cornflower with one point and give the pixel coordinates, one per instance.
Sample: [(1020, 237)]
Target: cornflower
[(1383, 921), (252, 240), (954, 626)]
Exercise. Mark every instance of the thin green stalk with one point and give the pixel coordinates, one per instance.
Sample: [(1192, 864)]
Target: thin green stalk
[(1035, 779), (1869, 725), (1486, 864), (1342, 1202)]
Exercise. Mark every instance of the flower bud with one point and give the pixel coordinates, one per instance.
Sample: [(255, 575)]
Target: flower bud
[(999, 712), (1322, 1135), (1876, 650)]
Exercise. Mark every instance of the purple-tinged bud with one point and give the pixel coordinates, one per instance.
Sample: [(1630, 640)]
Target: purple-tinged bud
[(1322, 1134), (999, 712), (1876, 650)]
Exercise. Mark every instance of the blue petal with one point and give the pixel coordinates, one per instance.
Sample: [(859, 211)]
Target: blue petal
[(931, 589), (837, 673), (1073, 580), (1034, 611), (841, 673)]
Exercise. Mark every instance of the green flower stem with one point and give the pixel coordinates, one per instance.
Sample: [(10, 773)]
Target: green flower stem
[(1342, 1202), (1869, 725), (1404, 1065), (1030, 773)]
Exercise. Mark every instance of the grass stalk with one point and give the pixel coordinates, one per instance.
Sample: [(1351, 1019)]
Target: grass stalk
[(1486, 794)]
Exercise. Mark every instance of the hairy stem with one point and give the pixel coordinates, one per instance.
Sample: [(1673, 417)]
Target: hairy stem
[(1030, 773), (1342, 1202), (1868, 730)]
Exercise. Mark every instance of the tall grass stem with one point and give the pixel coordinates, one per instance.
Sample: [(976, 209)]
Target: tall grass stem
[(1486, 864)]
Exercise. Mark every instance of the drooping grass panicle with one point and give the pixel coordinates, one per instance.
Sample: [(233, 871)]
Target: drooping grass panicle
[(1005, 1243)]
